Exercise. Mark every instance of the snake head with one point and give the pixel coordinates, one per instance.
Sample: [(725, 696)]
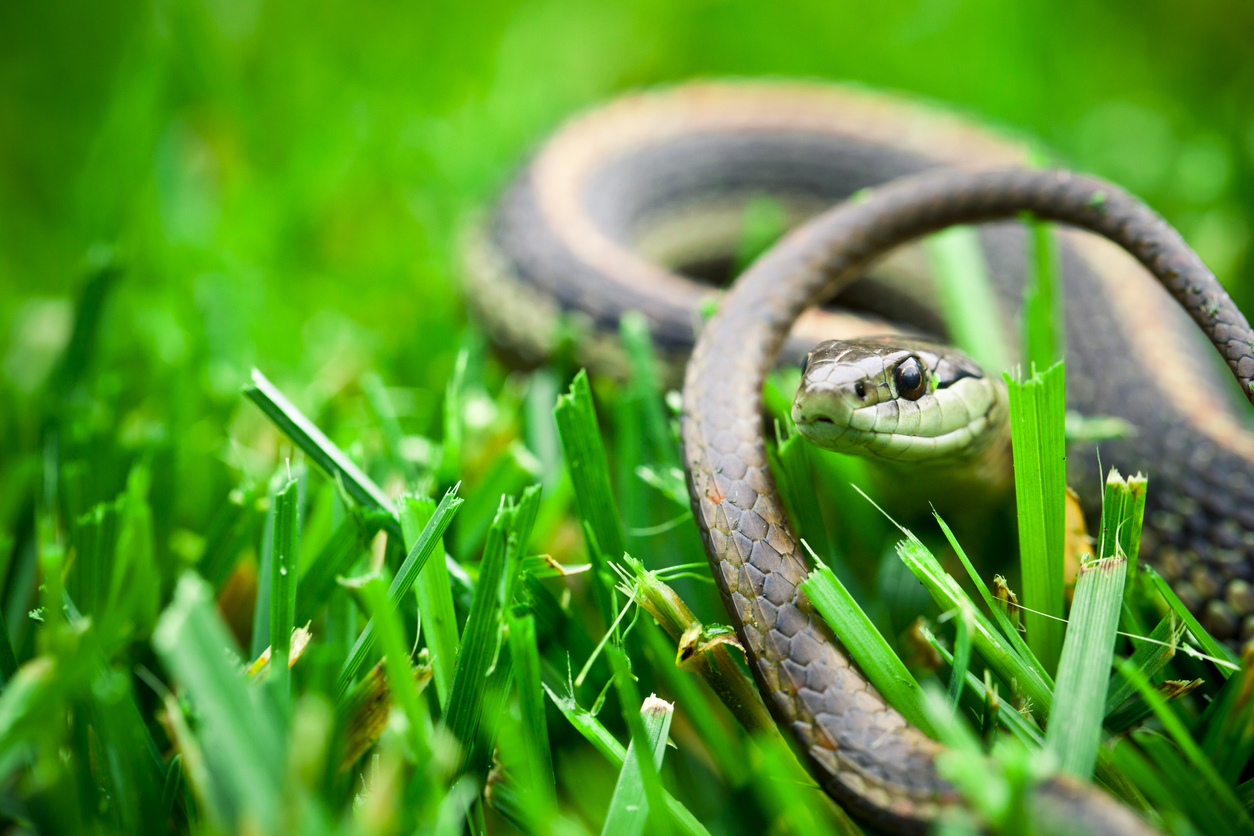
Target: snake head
[(898, 399)]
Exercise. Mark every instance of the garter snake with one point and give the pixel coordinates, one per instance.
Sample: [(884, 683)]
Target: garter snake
[(614, 209)]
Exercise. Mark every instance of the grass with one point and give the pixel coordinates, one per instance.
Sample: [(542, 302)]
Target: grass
[(438, 691)]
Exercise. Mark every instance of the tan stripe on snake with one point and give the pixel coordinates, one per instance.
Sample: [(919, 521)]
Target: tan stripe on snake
[(601, 218)]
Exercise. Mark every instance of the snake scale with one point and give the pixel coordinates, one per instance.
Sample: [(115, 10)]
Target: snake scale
[(624, 205)]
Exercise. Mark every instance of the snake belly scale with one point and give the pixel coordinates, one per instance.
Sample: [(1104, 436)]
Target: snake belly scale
[(589, 229)]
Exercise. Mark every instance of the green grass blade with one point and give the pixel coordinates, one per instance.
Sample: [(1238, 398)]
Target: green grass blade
[(232, 529), (1192, 791), (987, 641), (336, 557), (190, 639), (968, 298), (535, 732), (435, 596), (1149, 657), (479, 640), (586, 723), (961, 658), (400, 672), (1022, 728), (585, 458), (1042, 300), (1196, 762), (417, 558), (284, 568), (1000, 617), (633, 329), (1209, 646), (868, 648), (705, 713), (1084, 671), (1036, 425), (638, 794), (306, 435)]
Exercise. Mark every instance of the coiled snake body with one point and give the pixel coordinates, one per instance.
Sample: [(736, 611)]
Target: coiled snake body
[(606, 212)]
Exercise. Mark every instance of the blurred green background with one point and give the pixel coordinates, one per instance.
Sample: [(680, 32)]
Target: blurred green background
[(281, 182)]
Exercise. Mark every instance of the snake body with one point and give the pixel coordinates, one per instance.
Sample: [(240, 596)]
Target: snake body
[(587, 230)]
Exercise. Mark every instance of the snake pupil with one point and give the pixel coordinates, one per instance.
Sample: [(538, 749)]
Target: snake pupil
[(909, 379), (860, 389)]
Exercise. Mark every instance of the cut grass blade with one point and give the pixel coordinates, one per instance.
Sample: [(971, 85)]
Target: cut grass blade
[(629, 810), (417, 558), (320, 449), (638, 794), (1036, 426), (586, 723), (868, 648), (1084, 670)]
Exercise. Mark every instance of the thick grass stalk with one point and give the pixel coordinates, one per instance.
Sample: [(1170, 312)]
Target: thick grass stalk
[(868, 648), (714, 664), (1036, 426), (1084, 671)]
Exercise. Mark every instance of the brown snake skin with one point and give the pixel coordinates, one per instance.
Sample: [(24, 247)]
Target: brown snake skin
[(623, 200), (863, 751)]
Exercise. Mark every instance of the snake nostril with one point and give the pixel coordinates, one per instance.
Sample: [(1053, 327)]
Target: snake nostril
[(859, 389), (823, 419)]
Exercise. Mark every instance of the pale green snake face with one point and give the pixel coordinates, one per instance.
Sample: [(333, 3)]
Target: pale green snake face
[(898, 399)]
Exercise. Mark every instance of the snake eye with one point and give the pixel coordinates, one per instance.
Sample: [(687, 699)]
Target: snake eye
[(909, 379)]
